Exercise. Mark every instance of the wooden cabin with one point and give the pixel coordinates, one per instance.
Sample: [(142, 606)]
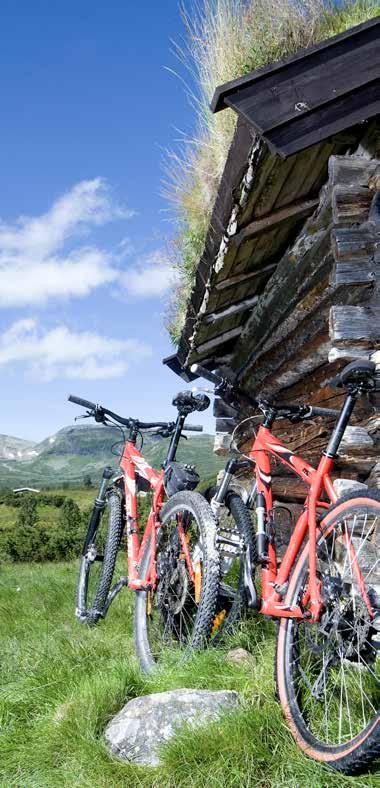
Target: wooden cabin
[(287, 290)]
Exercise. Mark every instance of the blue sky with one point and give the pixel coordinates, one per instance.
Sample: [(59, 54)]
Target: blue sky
[(87, 108)]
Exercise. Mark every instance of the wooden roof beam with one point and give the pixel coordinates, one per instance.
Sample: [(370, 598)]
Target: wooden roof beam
[(222, 339), (234, 309), (239, 278), (298, 210)]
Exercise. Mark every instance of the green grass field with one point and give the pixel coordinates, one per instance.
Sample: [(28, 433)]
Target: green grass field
[(61, 683)]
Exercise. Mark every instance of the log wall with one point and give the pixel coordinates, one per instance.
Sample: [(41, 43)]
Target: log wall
[(319, 310)]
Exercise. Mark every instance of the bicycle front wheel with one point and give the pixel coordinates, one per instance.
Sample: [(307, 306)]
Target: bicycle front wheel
[(328, 673), (176, 616), (98, 561), (232, 600)]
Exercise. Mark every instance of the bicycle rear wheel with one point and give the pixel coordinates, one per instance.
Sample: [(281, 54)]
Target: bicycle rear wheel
[(98, 561), (328, 673), (176, 616)]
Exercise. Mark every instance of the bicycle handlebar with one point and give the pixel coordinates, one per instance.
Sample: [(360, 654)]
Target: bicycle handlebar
[(223, 386), (197, 369), (85, 403), (101, 411), (324, 412)]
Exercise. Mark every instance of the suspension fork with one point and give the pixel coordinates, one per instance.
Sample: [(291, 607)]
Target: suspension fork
[(231, 469), (99, 504)]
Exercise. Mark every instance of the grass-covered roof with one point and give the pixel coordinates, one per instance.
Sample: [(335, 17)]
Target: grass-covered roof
[(224, 40)]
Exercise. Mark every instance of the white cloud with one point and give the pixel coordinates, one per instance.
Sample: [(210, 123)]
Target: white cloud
[(60, 352), (153, 276), (34, 266)]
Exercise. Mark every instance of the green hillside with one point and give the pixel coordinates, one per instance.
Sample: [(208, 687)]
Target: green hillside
[(77, 451)]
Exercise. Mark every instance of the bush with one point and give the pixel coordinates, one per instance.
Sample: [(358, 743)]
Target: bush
[(31, 540), (27, 517), (13, 499)]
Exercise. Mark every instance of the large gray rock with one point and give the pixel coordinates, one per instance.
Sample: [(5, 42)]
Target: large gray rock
[(136, 733)]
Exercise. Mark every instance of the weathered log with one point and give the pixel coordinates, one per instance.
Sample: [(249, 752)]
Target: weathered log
[(297, 272), (374, 214), (350, 205), (374, 477), (287, 286), (374, 181), (341, 486), (302, 336), (353, 272), (348, 353), (222, 410), (356, 440), (357, 243), (350, 170), (355, 323), (358, 466), (289, 488)]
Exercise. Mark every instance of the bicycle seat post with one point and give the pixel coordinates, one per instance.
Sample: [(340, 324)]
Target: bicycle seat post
[(174, 441), (340, 426)]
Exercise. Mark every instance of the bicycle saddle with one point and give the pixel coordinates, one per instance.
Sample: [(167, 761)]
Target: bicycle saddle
[(187, 401), (357, 373)]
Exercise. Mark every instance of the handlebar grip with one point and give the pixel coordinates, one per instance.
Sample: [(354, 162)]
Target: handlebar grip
[(85, 403), (324, 412), (197, 369), (193, 427)]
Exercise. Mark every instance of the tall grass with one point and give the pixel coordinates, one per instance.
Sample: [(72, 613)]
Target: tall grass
[(225, 39), (61, 683)]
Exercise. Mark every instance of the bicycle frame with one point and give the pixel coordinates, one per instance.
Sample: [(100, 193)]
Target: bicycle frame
[(275, 580), (131, 461)]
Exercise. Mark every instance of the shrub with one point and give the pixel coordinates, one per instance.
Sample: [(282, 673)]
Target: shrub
[(13, 499), (31, 540), (27, 517)]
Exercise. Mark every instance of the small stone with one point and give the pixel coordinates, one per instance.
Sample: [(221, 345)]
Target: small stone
[(145, 723), (239, 656)]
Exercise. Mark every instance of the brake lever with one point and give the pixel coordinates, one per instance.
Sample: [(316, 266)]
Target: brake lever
[(86, 415), (163, 433)]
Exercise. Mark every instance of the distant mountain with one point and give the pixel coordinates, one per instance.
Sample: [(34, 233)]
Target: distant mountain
[(77, 451), (16, 448)]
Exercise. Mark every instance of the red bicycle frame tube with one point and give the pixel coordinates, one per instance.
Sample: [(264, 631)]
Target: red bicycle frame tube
[(131, 461), (318, 480)]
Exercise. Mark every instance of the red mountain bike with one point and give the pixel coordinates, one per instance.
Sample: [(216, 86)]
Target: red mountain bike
[(325, 594), (173, 563)]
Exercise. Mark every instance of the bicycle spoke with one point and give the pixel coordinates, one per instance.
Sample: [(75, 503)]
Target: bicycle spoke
[(173, 613), (333, 661)]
